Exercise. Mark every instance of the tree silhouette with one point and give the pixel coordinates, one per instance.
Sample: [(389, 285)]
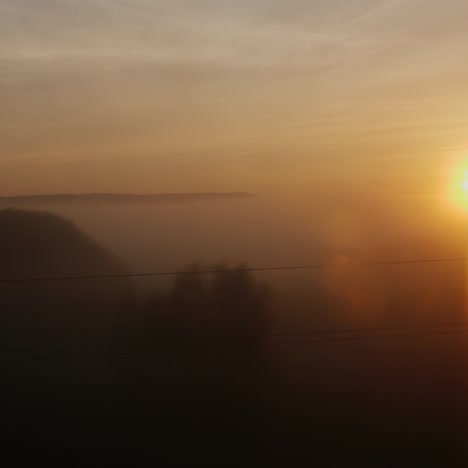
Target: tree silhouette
[(228, 306), (223, 317), (240, 303)]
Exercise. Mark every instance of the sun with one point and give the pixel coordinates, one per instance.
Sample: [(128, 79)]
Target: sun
[(458, 186), (464, 185)]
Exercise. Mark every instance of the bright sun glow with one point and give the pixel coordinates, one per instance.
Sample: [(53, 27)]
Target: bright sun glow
[(458, 187)]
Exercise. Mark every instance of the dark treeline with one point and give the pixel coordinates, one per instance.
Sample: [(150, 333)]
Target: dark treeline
[(228, 305), (181, 366), (188, 374)]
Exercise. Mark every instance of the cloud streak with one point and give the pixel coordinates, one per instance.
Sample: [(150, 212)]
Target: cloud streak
[(165, 32), (127, 80)]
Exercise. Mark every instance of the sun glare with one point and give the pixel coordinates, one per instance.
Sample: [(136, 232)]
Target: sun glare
[(458, 187), (464, 186)]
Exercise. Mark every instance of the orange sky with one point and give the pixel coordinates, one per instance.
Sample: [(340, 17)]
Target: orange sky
[(255, 95)]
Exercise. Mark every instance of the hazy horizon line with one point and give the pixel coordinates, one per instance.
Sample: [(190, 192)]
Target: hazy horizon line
[(125, 197)]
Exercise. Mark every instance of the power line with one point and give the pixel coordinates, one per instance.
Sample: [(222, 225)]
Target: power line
[(271, 335), (233, 346), (236, 270)]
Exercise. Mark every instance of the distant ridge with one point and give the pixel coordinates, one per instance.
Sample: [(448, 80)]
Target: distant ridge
[(116, 198)]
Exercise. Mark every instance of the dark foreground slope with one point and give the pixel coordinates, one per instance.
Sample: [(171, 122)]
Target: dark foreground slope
[(87, 372), (192, 377), (38, 246), (45, 322)]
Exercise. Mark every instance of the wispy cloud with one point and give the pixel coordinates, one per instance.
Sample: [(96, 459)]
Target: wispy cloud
[(376, 11), (164, 31), (87, 79)]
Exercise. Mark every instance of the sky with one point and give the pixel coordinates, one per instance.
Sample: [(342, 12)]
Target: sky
[(211, 95)]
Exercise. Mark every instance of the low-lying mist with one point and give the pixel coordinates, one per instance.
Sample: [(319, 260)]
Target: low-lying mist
[(247, 353), (264, 232)]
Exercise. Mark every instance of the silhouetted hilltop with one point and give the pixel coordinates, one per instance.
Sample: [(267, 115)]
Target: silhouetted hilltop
[(43, 245), (116, 198)]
